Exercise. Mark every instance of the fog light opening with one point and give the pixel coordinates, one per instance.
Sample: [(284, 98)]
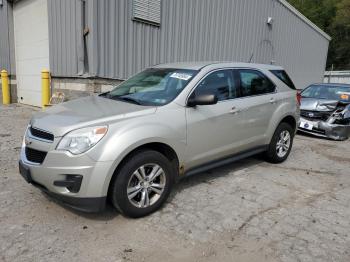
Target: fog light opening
[(72, 183)]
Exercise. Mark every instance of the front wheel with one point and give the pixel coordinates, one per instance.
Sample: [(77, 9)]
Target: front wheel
[(142, 184), (281, 144)]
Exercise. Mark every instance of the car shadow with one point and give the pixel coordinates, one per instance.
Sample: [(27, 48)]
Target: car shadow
[(212, 174), (110, 213)]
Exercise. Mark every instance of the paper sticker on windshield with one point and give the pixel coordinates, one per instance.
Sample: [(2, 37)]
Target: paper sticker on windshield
[(181, 76)]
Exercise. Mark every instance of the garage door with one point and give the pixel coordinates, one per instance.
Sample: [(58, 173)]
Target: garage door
[(31, 48)]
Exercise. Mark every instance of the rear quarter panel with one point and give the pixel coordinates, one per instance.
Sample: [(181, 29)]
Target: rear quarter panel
[(287, 105)]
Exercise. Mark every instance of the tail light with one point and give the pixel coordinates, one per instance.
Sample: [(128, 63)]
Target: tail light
[(299, 97)]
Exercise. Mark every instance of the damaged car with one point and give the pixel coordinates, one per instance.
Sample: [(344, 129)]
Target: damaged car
[(325, 110)]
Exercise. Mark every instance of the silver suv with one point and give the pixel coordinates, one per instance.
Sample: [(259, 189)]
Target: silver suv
[(170, 121)]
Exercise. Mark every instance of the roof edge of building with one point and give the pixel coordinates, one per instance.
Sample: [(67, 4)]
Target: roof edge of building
[(305, 19)]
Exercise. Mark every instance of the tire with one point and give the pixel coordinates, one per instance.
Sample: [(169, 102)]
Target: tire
[(273, 154), (134, 178)]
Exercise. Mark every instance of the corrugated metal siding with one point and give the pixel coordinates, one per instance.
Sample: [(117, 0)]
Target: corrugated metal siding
[(117, 45), (212, 30), (66, 37), (341, 77), (299, 48), (196, 30), (7, 60)]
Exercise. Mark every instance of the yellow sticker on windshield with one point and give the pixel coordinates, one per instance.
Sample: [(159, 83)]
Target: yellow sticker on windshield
[(344, 97)]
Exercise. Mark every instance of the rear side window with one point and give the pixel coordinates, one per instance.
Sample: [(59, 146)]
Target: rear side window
[(284, 77), (254, 83)]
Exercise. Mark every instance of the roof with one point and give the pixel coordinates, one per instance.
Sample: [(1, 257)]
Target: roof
[(331, 84), (200, 65), (185, 65), (304, 19)]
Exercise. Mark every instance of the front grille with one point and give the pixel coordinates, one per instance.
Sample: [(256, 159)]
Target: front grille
[(314, 130), (34, 155), (315, 115), (319, 131), (41, 134)]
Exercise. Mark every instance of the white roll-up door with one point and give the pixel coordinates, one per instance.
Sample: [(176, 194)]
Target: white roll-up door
[(31, 48)]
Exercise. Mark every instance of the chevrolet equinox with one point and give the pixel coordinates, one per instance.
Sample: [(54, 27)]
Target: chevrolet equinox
[(130, 145)]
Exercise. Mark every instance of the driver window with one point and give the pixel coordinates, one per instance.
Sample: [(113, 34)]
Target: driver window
[(221, 83)]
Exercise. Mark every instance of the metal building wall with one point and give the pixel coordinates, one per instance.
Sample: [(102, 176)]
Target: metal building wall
[(190, 30), (66, 37), (299, 48), (341, 77), (7, 52)]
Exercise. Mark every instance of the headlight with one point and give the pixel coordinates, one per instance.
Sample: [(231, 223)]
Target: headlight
[(81, 140)]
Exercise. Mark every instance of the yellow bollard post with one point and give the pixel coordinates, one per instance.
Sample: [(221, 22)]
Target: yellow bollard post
[(6, 99), (45, 87)]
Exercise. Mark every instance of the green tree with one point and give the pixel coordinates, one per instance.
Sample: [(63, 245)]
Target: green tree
[(321, 12), (341, 37)]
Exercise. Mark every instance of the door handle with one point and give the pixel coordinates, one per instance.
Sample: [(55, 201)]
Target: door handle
[(272, 100), (234, 110)]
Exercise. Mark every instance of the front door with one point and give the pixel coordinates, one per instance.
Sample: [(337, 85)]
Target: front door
[(214, 131)]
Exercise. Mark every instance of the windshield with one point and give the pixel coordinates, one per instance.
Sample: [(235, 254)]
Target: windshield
[(327, 92), (153, 87)]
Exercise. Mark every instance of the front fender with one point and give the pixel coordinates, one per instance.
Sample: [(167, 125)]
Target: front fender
[(123, 139)]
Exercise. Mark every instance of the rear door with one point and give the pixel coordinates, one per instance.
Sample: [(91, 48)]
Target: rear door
[(258, 93)]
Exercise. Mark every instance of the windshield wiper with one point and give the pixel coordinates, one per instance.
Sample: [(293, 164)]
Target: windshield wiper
[(127, 99), (105, 94)]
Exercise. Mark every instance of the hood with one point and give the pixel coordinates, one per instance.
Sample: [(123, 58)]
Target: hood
[(314, 104), (87, 111)]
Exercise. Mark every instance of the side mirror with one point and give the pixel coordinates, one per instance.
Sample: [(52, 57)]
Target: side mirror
[(202, 100)]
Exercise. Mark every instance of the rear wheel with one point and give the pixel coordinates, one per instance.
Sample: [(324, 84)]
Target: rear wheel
[(281, 144), (142, 184)]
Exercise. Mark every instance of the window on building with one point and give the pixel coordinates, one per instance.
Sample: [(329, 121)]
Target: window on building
[(220, 83), (254, 83), (147, 11)]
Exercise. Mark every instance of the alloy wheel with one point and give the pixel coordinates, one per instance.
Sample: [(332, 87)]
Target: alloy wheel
[(283, 144), (146, 185)]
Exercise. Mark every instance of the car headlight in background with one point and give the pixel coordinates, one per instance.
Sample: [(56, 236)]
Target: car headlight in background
[(81, 140)]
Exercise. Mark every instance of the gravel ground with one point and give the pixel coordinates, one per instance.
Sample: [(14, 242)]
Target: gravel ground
[(247, 211)]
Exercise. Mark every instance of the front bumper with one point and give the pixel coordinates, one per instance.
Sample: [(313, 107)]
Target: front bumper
[(325, 129), (88, 192), (87, 204)]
